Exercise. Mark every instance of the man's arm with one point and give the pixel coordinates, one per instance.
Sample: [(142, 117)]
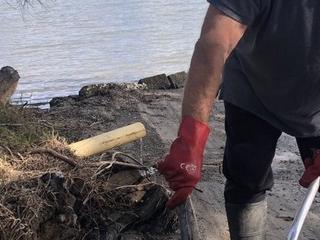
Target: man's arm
[(219, 35), (182, 166)]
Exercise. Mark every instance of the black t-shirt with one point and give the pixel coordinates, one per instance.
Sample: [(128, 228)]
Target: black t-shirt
[(274, 71)]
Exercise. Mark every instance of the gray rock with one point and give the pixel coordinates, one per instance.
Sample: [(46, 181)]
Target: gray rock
[(156, 82), (9, 78), (105, 88), (177, 80), (96, 89), (59, 101)]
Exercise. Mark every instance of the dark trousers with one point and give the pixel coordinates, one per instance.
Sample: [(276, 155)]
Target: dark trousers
[(249, 151)]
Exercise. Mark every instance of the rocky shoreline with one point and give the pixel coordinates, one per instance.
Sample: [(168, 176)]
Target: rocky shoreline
[(157, 82)]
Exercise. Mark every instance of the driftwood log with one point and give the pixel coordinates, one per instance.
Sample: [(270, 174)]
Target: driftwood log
[(9, 78)]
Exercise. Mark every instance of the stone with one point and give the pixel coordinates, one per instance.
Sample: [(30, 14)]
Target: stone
[(60, 101), (96, 89), (9, 78), (156, 82), (177, 80), (105, 88)]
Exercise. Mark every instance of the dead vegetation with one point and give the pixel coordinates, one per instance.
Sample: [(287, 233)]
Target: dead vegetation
[(47, 193)]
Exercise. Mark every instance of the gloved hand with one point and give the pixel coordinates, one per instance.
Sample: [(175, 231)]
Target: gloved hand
[(182, 166), (312, 169)]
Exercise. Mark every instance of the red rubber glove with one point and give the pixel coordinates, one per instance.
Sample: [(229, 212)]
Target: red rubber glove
[(182, 166), (312, 169)]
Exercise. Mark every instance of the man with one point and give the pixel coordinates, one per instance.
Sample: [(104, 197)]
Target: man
[(268, 52)]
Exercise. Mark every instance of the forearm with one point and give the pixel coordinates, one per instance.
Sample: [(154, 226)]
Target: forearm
[(219, 36), (204, 80)]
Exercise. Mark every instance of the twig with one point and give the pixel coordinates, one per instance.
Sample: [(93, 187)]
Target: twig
[(128, 156), (108, 164), (87, 198), (41, 122), (198, 190), (103, 167), (123, 164), (134, 186), (94, 123), (11, 124), (8, 150), (86, 234), (20, 156), (66, 159)]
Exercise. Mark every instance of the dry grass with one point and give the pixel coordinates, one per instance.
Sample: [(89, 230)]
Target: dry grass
[(12, 227), (22, 205), (42, 196), (40, 193), (22, 129)]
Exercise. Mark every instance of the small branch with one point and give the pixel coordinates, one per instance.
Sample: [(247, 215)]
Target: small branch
[(40, 122), (198, 190), (105, 165), (108, 164), (64, 158), (123, 164), (134, 186), (95, 123), (10, 124), (128, 156), (20, 156), (8, 150)]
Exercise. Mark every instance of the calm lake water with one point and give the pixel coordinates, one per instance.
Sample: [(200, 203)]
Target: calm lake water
[(67, 44)]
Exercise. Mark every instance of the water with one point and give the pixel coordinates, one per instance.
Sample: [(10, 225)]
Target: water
[(67, 44)]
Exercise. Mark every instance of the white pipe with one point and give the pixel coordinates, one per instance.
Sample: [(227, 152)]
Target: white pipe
[(108, 140), (303, 211)]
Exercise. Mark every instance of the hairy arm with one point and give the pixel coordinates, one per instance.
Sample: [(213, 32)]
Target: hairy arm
[(219, 35)]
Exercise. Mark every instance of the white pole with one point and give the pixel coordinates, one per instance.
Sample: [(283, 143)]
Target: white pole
[(303, 211), (108, 140)]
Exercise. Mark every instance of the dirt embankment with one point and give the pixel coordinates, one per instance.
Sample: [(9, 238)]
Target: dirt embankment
[(105, 107)]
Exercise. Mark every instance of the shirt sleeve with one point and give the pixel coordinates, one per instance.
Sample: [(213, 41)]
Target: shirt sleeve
[(243, 11)]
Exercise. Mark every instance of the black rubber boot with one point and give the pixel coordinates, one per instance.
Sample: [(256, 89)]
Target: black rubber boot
[(247, 221)]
